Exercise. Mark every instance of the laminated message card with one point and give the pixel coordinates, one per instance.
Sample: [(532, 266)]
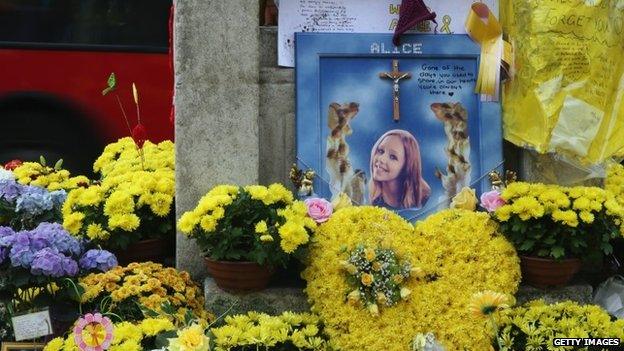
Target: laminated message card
[(394, 126)]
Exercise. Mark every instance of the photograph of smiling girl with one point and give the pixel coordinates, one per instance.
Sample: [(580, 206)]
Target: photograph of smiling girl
[(396, 172)]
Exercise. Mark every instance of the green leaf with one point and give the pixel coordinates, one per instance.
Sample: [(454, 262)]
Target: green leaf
[(542, 253), (162, 339), (148, 312), (557, 252), (606, 248), (189, 317), (112, 84), (550, 241), (42, 160), (527, 245), (21, 278), (58, 165), (167, 308)]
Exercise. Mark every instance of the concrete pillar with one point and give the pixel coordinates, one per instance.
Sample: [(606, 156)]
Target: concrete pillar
[(216, 59)]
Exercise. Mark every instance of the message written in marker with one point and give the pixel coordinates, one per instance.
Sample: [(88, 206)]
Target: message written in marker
[(32, 325), (444, 79)]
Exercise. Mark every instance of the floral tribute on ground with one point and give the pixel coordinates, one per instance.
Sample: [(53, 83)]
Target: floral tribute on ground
[(533, 325), (288, 331), (126, 336), (125, 290), (459, 252)]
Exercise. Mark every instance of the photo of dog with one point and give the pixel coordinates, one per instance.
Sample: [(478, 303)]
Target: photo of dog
[(342, 176), (455, 119)]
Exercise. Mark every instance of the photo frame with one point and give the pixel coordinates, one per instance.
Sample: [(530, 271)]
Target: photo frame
[(394, 126), (21, 346)]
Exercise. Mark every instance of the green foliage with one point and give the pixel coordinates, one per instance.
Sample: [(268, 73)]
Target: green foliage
[(543, 237), (234, 236)]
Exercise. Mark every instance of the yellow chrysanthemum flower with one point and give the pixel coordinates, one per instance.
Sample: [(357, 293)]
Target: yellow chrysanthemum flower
[(73, 222), (261, 227), (95, 232), (153, 326), (190, 339)]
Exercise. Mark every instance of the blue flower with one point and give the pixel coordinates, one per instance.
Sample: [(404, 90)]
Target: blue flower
[(58, 238), (48, 262), (58, 198), (70, 267), (9, 189), (33, 201), (101, 260), (21, 254), (5, 233)]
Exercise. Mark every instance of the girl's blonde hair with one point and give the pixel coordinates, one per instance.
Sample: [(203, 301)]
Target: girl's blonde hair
[(416, 191)]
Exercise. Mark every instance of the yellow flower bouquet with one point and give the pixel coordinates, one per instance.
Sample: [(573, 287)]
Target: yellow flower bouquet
[(126, 336), (560, 222), (533, 326), (133, 200), (288, 331), (255, 223), (124, 290)]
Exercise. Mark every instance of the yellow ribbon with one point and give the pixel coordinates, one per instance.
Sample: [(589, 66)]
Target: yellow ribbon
[(446, 22), (483, 27)]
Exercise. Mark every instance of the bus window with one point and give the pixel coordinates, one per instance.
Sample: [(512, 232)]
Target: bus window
[(127, 23)]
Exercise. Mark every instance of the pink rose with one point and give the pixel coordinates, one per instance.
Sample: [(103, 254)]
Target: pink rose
[(319, 209), (491, 200)]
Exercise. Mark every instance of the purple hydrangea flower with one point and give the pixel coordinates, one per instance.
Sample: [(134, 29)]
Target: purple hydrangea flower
[(5, 233), (101, 260), (48, 262), (21, 254), (58, 238), (70, 266), (9, 189)]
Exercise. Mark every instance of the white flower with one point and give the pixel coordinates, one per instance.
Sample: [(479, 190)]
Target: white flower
[(405, 292), (6, 175)]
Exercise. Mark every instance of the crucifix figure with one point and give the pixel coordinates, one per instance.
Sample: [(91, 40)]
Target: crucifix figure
[(396, 76)]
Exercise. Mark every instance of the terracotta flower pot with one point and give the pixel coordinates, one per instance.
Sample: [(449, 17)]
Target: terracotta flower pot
[(239, 277), (544, 272), (155, 250)]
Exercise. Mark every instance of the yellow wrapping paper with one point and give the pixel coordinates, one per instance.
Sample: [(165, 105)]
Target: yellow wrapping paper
[(567, 93)]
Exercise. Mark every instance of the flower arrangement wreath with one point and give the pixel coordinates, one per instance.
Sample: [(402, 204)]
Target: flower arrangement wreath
[(460, 253)]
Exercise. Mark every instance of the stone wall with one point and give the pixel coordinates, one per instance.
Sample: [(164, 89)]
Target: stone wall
[(216, 55)]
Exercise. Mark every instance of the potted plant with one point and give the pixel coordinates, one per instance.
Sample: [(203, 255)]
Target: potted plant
[(246, 232), (553, 227), (39, 268), (129, 210)]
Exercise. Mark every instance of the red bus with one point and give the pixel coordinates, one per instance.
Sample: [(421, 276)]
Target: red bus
[(55, 58)]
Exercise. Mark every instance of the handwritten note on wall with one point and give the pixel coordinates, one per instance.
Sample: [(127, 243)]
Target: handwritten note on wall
[(361, 16), (445, 79)]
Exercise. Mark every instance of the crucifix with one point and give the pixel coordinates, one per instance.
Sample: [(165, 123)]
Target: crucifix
[(396, 76)]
